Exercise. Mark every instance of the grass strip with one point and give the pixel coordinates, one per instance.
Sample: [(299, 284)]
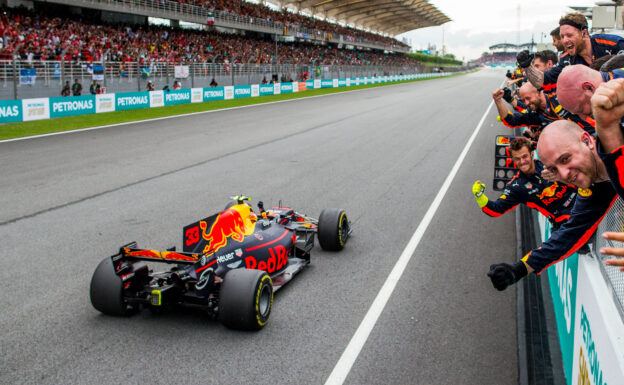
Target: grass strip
[(40, 127)]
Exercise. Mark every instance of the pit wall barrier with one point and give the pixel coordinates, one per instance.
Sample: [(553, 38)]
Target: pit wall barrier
[(23, 110), (587, 298)]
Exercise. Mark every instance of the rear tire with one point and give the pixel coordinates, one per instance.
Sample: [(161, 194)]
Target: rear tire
[(107, 290), (333, 229), (245, 299)]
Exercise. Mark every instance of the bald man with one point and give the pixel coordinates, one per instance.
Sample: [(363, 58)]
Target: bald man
[(570, 154), (542, 110), (577, 84)]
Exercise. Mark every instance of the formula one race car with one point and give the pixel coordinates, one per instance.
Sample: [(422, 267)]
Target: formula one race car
[(231, 264)]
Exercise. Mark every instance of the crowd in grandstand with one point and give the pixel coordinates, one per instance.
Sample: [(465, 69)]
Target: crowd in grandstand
[(241, 8), (34, 36), (571, 109)]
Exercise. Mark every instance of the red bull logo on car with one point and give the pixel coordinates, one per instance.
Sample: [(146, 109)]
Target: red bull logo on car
[(277, 260), (235, 223)]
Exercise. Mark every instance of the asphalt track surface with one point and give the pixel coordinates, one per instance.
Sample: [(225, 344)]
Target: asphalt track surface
[(382, 154)]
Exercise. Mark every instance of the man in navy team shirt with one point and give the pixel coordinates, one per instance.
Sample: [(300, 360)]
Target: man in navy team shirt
[(571, 155), (580, 46)]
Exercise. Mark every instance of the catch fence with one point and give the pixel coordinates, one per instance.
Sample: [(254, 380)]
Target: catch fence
[(50, 76), (613, 221)]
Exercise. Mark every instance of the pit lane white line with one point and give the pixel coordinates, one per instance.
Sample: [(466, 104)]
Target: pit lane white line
[(351, 352)]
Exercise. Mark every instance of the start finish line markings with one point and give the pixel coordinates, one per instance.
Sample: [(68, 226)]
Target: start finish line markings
[(351, 352)]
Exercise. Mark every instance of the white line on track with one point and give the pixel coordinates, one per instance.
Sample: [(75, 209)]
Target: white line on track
[(351, 352), (197, 113)]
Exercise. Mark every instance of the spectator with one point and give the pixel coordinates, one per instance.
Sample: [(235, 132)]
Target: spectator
[(176, 85), (94, 88), (166, 88), (150, 86), (76, 88), (66, 91), (87, 41), (213, 83)]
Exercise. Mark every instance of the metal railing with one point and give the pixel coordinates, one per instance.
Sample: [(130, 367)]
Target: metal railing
[(613, 221), (133, 76), (197, 14)]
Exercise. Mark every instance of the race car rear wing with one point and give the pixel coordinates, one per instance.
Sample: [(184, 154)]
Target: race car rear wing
[(130, 251)]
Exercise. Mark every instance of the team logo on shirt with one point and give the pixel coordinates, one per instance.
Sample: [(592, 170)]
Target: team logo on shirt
[(585, 192)]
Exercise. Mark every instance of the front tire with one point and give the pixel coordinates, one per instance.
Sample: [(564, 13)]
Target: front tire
[(245, 299), (333, 229)]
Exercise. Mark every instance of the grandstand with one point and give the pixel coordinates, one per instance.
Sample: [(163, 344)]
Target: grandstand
[(224, 40), (504, 53)]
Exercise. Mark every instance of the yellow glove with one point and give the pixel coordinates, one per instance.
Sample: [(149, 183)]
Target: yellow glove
[(477, 190)]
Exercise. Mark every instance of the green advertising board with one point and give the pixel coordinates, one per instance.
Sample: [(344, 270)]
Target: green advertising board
[(266, 89), (10, 111), (242, 92), (132, 100), (286, 88), (72, 105), (213, 93), (178, 97), (563, 278)]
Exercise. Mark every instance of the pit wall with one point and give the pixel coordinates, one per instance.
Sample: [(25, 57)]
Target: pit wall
[(588, 316), (22, 110)]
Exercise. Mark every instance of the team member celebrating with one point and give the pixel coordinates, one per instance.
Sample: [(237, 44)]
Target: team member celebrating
[(542, 110), (569, 153), (527, 187), (582, 49)]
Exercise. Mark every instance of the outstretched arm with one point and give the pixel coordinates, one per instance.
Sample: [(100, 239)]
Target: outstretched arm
[(608, 108)]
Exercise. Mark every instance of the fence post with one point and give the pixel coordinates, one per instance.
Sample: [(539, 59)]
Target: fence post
[(14, 78), (192, 69), (103, 68)]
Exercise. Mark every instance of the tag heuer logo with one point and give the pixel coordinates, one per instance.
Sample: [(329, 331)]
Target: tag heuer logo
[(585, 192)]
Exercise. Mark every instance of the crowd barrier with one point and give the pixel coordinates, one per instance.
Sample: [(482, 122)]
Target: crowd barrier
[(46, 108), (588, 298)]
